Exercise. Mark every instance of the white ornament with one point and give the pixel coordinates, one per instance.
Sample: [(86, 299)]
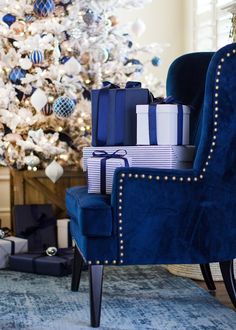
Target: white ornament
[(138, 27), (39, 99), (72, 66), (32, 160), (25, 63), (54, 171)]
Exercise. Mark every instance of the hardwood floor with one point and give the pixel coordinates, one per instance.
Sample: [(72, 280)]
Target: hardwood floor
[(220, 293)]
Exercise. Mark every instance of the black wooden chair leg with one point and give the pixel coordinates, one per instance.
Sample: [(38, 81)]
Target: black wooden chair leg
[(206, 273), (95, 281), (77, 268), (227, 270)]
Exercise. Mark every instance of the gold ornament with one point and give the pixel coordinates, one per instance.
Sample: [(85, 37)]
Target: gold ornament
[(114, 20), (18, 27), (85, 58), (12, 137)]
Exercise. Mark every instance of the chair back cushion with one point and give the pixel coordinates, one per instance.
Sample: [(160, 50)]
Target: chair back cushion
[(186, 83)]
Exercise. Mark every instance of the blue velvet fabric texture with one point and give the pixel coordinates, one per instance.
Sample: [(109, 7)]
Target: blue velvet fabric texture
[(186, 83), (179, 216)]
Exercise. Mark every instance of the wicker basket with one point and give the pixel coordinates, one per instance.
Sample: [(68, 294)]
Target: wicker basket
[(194, 271)]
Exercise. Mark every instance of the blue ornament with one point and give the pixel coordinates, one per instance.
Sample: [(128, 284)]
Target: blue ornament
[(47, 110), (155, 61), (63, 107), (29, 18), (89, 17), (44, 8), (64, 59), (16, 75), (37, 57), (9, 19)]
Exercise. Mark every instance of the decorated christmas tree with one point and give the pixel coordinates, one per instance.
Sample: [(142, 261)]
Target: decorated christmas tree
[(52, 53)]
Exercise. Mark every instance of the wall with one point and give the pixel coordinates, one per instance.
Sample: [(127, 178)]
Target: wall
[(165, 23)]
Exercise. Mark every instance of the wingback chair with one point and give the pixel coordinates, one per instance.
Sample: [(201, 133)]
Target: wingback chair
[(157, 216)]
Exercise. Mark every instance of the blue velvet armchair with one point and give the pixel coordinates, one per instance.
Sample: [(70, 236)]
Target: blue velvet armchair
[(170, 216)]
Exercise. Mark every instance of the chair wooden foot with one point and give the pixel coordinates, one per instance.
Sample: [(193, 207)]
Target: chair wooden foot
[(77, 268), (95, 281), (227, 270), (206, 273)]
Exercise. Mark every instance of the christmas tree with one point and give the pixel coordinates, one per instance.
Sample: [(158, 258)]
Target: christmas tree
[(52, 53)]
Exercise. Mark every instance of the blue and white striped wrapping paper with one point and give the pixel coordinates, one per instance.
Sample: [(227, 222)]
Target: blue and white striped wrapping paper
[(155, 156), (94, 172)]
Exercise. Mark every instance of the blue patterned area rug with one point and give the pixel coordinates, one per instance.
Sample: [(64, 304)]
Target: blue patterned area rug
[(133, 298)]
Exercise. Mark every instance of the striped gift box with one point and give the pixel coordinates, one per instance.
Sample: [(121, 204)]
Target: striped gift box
[(157, 156), (94, 172)]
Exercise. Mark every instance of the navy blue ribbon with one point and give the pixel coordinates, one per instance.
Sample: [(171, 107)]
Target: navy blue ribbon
[(118, 154), (12, 244), (153, 120), (104, 103)]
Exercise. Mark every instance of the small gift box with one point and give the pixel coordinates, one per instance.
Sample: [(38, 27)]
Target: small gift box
[(114, 113), (101, 168), (37, 224), (167, 156), (9, 246), (163, 123), (64, 239), (39, 263)]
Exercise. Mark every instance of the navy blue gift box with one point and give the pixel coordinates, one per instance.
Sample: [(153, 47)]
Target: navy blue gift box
[(114, 113), (37, 224), (39, 263)]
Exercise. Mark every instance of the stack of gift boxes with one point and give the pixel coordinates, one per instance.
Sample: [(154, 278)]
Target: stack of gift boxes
[(131, 128), (42, 244)]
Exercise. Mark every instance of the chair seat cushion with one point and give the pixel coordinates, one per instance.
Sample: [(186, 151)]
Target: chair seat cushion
[(92, 212)]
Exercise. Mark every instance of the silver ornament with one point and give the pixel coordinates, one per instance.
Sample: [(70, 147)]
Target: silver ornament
[(89, 17), (75, 33), (51, 251), (2, 233)]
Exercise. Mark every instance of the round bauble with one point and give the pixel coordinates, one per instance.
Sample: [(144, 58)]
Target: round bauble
[(63, 107), (101, 55), (155, 61), (25, 63), (32, 160), (114, 20), (51, 251), (37, 57), (29, 18), (47, 110), (16, 75), (85, 58), (43, 8), (2, 234), (18, 27), (9, 19), (89, 17)]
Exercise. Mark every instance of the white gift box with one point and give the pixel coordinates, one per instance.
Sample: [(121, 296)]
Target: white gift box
[(64, 239), (94, 172), (166, 124), (20, 245), (165, 157)]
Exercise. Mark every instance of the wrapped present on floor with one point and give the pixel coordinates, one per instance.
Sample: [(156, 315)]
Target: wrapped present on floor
[(101, 168), (39, 263), (165, 157), (163, 122), (114, 113), (64, 239), (37, 224), (11, 245)]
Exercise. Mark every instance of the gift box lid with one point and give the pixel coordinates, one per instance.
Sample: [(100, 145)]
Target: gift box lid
[(162, 108)]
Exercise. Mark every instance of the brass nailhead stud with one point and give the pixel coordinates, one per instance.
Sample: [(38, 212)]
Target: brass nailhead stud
[(136, 176), (114, 262), (150, 177), (130, 175), (106, 262), (201, 176), (188, 179), (166, 178), (181, 179), (89, 262), (97, 262), (123, 175), (121, 261), (143, 176), (173, 178), (157, 178), (195, 179), (121, 180)]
